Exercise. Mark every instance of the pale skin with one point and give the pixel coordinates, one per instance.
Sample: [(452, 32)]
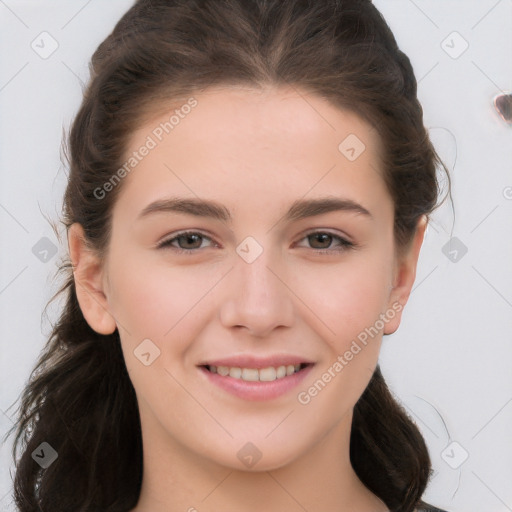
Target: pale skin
[(254, 152)]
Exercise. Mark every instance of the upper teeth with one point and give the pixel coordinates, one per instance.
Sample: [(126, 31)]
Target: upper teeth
[(255, 374)]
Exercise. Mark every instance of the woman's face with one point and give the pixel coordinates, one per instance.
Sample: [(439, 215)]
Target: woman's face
[(290, 261)]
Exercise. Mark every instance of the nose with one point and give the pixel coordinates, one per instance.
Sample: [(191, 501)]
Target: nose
[(257, 297)]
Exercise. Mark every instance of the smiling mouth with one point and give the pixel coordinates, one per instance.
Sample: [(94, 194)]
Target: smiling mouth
[(268, 374)]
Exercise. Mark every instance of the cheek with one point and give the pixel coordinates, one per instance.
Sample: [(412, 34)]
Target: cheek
[(346, 298), (141, 301), (351, 299), (351, 308), (154, 300)]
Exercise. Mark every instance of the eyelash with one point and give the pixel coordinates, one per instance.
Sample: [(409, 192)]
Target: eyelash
[(343, 243)]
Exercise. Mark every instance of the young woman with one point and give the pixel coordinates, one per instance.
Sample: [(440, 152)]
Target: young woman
[(249, 186)]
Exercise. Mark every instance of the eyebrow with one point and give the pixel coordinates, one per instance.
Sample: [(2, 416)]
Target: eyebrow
[(300, 209)]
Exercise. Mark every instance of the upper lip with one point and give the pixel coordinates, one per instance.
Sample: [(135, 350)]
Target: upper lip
[(249, 361)]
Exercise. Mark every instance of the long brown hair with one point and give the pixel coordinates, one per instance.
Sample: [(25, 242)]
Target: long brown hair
[(79, 398)]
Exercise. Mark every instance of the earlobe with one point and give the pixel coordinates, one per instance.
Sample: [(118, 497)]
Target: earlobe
[(405, 276), (88, 275)]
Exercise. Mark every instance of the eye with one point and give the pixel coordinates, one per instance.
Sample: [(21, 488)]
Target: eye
[(188, 242), (324, 239)]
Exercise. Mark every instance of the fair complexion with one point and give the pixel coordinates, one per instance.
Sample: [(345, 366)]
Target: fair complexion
[(307, 296)]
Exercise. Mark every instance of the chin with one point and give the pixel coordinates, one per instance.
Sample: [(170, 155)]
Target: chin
[(257, 456)]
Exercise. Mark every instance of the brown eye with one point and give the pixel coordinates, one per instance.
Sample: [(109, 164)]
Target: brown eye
[(186, 242), (190, 241), (322, 241)]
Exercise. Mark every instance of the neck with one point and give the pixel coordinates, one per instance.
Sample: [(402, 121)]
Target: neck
[(321, 479)]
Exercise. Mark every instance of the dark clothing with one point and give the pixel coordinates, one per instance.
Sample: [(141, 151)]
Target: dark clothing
[(425, 507)]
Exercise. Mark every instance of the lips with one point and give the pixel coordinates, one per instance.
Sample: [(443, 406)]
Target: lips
[(254, 378)]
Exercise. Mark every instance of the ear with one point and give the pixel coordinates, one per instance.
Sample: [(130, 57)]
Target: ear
[(88, 274), (405, 275)]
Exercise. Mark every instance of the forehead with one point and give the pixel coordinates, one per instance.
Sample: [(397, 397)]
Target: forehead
[(237, 142), (288, 115)]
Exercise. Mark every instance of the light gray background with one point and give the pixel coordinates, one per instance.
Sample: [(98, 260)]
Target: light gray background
[(450, 361)]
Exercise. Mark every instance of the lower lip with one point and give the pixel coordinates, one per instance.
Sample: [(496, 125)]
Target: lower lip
[(257, 390)]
